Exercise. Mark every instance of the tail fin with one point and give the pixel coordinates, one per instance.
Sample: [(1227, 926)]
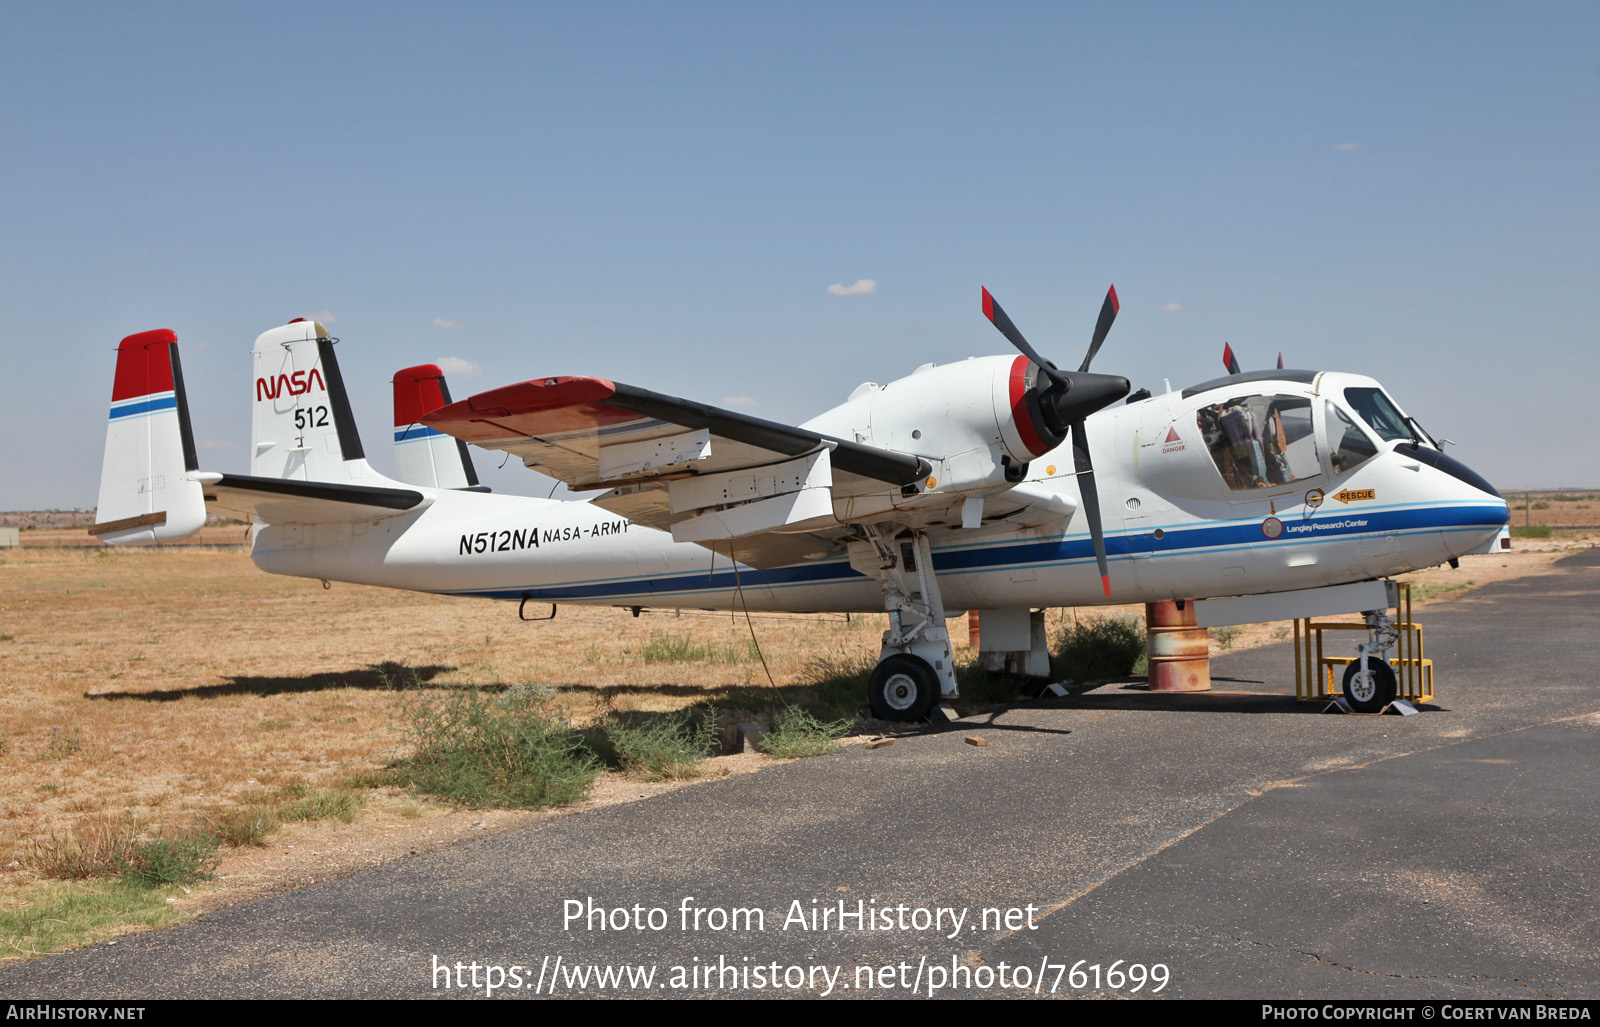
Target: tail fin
[(423, 455), (303, 428), (148, 492)]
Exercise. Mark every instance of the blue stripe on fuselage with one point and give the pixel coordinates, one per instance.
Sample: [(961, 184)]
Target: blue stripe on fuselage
[(977, 558)]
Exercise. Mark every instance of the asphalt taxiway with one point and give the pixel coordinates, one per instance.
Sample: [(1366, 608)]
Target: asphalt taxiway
[(1248, 846)]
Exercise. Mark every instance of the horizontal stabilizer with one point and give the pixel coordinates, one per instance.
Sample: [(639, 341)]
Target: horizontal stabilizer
[(288, 501)]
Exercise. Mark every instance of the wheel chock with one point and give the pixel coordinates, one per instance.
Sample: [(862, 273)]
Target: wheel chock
[(1055, 689), (943, 715), (1396, 708)]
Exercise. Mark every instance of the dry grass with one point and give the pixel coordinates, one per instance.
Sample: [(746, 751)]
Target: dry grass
[(177, 684)]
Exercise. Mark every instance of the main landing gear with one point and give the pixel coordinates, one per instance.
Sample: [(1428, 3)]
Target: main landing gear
[(915, 668)]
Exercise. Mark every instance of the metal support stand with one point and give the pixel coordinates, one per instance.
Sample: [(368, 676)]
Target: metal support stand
[(1316, 674)]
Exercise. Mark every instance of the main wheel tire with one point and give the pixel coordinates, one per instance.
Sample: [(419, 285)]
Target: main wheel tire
[(1369, 684), (903, 687)]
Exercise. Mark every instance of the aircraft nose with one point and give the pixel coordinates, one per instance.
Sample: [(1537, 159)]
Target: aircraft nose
[(1451, 466)]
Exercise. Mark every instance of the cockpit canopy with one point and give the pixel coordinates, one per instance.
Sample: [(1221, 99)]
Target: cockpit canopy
[(1294, 431)]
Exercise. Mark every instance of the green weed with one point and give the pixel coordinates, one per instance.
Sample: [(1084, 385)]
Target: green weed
[(664, 748), (181, 858), (796, 733), (515, 750), (1099, 648)]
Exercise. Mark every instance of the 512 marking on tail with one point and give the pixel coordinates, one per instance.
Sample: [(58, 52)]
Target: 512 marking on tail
[(316, 417)]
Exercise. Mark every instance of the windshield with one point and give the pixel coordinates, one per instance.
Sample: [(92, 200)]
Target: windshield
[(1348, 445), (1379, 412)]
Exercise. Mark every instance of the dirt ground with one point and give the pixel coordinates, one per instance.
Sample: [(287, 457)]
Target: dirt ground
[(166, 683)]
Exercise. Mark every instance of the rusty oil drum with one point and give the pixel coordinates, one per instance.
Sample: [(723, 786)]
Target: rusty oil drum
[(1180, 652)]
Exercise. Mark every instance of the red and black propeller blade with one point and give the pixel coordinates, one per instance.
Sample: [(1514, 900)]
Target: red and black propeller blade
[(1069, 400), (1108, 314), (992, 311), (1231, 362), (1091, 501)]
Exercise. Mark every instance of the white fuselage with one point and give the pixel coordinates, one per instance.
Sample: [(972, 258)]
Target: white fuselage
[(1180, 522)]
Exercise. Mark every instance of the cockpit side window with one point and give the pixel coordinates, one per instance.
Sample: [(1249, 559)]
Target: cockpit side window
[(1379, 412), (1349, 446), (1260, 442)]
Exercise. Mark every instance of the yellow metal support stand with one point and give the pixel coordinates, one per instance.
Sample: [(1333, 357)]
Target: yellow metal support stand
[(1314, 679)]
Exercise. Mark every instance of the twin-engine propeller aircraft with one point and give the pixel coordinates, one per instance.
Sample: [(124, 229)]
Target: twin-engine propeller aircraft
[(999, 484)]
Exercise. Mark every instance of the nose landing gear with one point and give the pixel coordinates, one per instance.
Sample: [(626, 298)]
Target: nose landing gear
[(1369, 682)]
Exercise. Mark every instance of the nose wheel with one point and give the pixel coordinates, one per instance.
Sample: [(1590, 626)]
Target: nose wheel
[(902, 687), (1369, 684)]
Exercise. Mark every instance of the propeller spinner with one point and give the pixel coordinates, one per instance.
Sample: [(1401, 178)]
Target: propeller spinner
[(1065, 399)]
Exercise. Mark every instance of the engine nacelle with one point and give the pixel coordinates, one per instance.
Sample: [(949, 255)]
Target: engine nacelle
[(978, 422)]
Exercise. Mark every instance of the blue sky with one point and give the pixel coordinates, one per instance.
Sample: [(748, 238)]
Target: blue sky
[(663, 193)]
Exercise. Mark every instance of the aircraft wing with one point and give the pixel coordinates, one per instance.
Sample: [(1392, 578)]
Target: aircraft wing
[(708, 475)]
